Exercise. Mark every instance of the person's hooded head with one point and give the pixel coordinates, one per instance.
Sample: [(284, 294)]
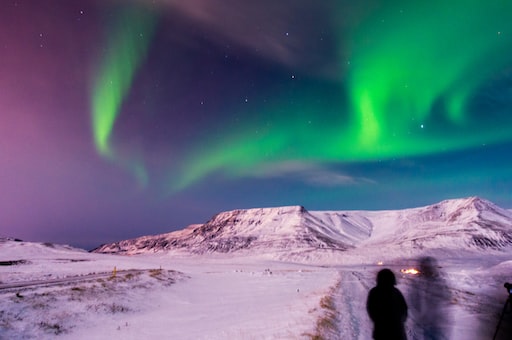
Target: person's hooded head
[(428, 267), (386, 278)]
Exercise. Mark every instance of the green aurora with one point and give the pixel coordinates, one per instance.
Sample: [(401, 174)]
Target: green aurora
[(407, 91), (127, 45), (416, 57), (413, 72)]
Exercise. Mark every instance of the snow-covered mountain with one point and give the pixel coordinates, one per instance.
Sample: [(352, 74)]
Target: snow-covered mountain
[(459, 224)]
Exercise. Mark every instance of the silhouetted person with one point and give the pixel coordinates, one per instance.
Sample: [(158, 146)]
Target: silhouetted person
[(504, 326), (387, 308), (430, 300)]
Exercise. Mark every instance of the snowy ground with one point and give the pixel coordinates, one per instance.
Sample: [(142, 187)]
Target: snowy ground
[(183, 297)]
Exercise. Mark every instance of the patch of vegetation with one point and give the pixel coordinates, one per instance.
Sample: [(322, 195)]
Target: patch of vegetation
[(111, 308), (4, 322), (54, 328), (156, 273), (77, 293), (13, 262), (45, 312), (326, 324), (78, 289), (40, 305), (167, 277), (71, 260)]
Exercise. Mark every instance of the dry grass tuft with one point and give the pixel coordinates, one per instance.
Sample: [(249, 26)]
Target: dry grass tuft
[(326, 324)]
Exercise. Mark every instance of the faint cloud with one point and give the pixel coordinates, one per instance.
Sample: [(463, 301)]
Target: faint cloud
[(274, 30), (307, 172)]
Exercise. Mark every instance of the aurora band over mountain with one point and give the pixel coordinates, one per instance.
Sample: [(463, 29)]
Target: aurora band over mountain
[(410, 91)]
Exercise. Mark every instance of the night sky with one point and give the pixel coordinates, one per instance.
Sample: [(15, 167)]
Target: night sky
[(128, 118)]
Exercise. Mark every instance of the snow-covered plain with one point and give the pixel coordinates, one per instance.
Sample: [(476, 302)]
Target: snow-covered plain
[(173, 298), (266, 293), (193, 297)]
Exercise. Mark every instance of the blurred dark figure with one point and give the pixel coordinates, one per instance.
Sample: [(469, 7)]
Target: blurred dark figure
[(504, 327), (430, 301), (387, 308)]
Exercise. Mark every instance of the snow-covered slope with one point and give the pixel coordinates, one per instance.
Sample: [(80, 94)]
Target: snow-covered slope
[(147, 244), (19, 249), (264, 229), (469, 224)]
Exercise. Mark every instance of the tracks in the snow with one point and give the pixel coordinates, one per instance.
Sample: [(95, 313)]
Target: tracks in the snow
[(65, 280), (352, 319)]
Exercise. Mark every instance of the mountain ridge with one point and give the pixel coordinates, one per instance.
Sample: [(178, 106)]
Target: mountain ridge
[(470, 223)]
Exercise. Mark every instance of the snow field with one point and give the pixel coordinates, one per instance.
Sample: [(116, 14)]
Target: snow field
[(229, 303), (231, 297), (175, 298)]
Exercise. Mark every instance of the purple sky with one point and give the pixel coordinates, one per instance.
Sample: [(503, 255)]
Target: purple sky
[(208, 120)]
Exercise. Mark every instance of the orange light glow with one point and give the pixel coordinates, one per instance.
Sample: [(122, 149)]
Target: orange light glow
[(411, 271)]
